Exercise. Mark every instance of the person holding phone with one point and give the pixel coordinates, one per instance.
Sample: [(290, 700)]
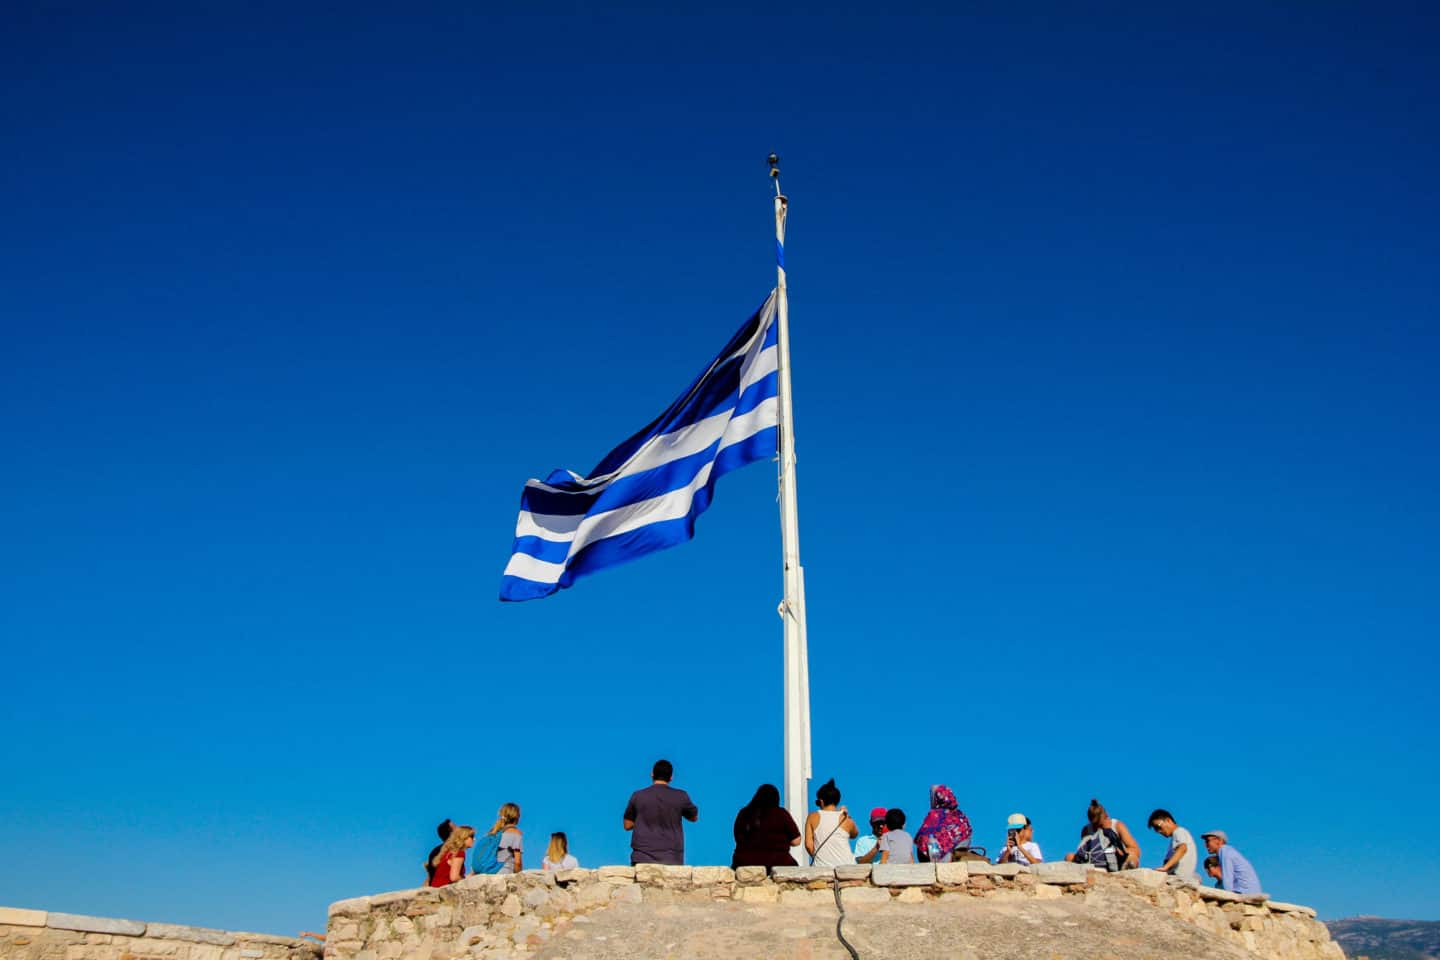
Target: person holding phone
[(1020, 845)]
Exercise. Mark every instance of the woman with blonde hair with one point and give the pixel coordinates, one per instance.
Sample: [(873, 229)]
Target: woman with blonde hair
[(558, 856), (449, 863), (509, 853)]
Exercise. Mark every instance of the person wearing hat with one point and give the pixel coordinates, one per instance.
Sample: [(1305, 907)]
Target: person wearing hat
[(1020, 845), (1236, 874), (867, 849)]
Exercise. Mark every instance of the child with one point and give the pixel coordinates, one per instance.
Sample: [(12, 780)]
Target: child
[(896, 846), (558, 856), (510, 853), (1212, 867)]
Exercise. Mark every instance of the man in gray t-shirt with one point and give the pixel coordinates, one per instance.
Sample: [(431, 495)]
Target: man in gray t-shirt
[(653, 816), (1182, 855)]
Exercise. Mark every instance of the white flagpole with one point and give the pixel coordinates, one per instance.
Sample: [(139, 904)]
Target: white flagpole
[(792, 608)]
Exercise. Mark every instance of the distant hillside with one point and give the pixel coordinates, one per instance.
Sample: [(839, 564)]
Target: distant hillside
[(1381, 939)]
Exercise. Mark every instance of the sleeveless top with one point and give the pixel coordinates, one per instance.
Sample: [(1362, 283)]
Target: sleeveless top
[(834, 851), (441, 876)]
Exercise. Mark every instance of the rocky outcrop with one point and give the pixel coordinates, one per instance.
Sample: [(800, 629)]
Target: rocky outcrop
[(1044, 908), (42, 935)]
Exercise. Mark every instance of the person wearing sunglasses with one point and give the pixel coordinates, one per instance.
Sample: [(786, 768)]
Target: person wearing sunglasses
[(1182, 854)]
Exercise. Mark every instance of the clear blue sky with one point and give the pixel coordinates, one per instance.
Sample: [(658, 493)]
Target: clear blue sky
[(1115, 345)]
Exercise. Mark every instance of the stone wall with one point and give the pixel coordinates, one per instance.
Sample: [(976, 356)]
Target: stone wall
[(42, 935), (488, 917)]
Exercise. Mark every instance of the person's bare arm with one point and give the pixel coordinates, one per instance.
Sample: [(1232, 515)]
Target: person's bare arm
[(869, 855), (519, 861), (884, 856), (848, 824), (629, 824), (1175, 858), (1131, 847), (810, 833), (457, 868)]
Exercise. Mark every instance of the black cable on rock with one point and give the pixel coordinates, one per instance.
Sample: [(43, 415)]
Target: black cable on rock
[(840, 923)]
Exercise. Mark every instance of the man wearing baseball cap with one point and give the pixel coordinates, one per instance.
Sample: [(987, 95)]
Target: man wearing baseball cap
[(1020, 845), (866, 847), (1236, 874)]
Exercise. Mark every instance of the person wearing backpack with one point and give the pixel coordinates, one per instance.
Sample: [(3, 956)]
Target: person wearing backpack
[(1106, 842), (500, 850)]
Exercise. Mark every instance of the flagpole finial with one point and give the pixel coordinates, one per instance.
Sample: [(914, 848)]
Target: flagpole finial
[(774, 162)]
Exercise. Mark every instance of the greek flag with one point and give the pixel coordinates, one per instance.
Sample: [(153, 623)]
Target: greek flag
[(646, 494)]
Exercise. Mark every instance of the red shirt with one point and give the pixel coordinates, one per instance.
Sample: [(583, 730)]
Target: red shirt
[(441, 877)]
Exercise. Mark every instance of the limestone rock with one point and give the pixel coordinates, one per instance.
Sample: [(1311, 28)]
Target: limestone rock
[(705, 876), (1279, 906), (952, 874), (16, 917), (617, 874), (626, 893), (910, 894), (759, 893), (853, 871), (76, 921), (392, 897), (511, 907), (173, 931), (747, 875), (664, 875), (1060, 872), (792, 897), (802, 874), (1215, 894), (903, 874), (578, 875), (1149, 879)]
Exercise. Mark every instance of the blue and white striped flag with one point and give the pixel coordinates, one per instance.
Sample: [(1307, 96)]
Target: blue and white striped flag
[(645, 495)]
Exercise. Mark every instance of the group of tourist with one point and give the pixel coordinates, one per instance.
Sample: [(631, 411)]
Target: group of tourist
[(501, 850), (766, 836)]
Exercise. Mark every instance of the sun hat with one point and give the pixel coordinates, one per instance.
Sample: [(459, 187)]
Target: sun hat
[(1215, 833)]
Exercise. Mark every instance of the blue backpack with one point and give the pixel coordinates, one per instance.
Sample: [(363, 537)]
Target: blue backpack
[(484, 856)]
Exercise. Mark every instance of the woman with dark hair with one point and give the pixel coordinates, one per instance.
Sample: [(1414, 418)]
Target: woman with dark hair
[(946, 828), (764, 831), (829, 829)]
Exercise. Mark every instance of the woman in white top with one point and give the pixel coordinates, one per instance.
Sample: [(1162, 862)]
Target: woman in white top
[(829, 829), (558, 856)]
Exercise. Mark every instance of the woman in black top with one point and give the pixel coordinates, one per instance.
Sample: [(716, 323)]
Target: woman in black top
[(764, 832)]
